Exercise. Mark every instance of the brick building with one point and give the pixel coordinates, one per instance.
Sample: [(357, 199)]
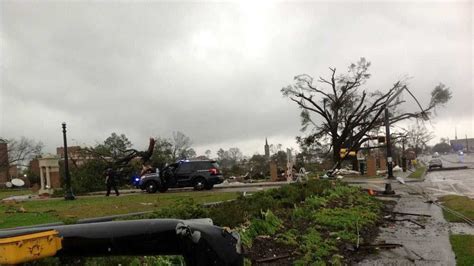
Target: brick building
[(4, 165)]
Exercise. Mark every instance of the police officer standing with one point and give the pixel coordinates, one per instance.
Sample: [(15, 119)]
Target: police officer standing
[(110, 181)]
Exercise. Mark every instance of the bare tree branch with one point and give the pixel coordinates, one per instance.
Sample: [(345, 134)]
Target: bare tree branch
[(348, 115)]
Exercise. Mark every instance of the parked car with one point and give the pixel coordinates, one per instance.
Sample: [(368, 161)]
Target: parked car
[(202, 174), (435, 163)]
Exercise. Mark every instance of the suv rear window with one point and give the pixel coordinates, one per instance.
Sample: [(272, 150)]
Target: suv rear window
[(185, 168), (202, 165)]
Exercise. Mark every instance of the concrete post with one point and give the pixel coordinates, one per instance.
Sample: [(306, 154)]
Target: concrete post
[(41, 178), (48, 177)]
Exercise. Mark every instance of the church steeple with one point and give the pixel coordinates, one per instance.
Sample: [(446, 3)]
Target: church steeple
[(267, 149)]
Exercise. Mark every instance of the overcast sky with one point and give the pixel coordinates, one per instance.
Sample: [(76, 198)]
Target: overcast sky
[(214, 70)]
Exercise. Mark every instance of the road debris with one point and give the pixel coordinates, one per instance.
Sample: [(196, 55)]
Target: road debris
[(382, 245), (448, 168), (275, 257), (412, 214), (405, 220)]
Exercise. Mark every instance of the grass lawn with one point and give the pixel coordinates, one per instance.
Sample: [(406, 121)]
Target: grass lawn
[(463, 205), (463, 247), (54, 210), (313, 222), (418, 172), (5, 193)]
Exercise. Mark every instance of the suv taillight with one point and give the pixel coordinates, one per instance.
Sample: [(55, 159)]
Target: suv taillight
[(213, 171)]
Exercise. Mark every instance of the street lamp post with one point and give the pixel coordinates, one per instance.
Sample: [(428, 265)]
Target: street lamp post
[(69, 195)]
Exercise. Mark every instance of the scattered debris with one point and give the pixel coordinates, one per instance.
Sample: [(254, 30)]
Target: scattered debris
[(381, 172), (447, 168), (381, 245), (345, 172), (412, 214), (17, 198), (273, 258), (401, 180), (403, 220), (397, 169)]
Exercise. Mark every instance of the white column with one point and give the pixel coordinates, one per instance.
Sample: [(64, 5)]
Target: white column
[(48, 177), (41, 177)]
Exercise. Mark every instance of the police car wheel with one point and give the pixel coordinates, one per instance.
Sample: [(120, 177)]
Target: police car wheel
[(151, 187)]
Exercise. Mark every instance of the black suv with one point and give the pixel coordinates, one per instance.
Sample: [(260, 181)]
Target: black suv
[(201, 175)]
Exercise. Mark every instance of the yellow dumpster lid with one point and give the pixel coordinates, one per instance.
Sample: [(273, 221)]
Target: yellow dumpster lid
[(28, 236)]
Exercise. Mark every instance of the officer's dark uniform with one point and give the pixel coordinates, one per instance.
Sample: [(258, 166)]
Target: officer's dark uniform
[(111, 182)]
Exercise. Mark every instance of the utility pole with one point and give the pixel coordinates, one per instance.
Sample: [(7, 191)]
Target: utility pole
[(390, 177), (69, 195), (388, 186), (404, 159)]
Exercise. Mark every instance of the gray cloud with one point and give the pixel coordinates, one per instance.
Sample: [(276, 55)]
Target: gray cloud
[(213, 70)]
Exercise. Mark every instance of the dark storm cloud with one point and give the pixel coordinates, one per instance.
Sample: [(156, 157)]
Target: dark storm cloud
[(212, 70)]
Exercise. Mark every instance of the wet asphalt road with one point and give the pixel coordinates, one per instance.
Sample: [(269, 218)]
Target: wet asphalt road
[(429, 245), (452, 182)]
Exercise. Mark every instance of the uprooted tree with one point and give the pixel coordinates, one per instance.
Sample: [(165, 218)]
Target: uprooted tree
[(340, 111), (116, 152), (89, 163)]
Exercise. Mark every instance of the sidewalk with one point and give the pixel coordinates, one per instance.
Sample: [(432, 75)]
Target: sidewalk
[(216, 187), (124, 192), (421, 246), (379, 183)]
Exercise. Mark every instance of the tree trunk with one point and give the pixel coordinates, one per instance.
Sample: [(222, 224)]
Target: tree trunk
[(355, 163), (336, 157)]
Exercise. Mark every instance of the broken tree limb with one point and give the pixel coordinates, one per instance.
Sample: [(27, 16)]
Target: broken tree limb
[(411, 214), (382, 245), (407, 220), (273, 258)]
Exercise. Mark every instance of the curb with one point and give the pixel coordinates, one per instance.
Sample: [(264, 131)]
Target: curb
[(217, 187)]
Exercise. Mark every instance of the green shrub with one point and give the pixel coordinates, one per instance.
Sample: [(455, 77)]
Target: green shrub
[(315, 202), (315, 248), (316, 218), (88, 177), (58, 193), (230, 214), (289, 237), (183, 209), (345, 219), (267, 224)]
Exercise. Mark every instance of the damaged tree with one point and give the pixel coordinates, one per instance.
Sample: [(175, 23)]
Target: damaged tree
[(348, 111), (418, 136), (117, 154)]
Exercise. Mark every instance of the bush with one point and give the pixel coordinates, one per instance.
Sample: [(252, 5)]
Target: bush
[(316, 218), (267, 224), (184, 209), (88, 177)]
